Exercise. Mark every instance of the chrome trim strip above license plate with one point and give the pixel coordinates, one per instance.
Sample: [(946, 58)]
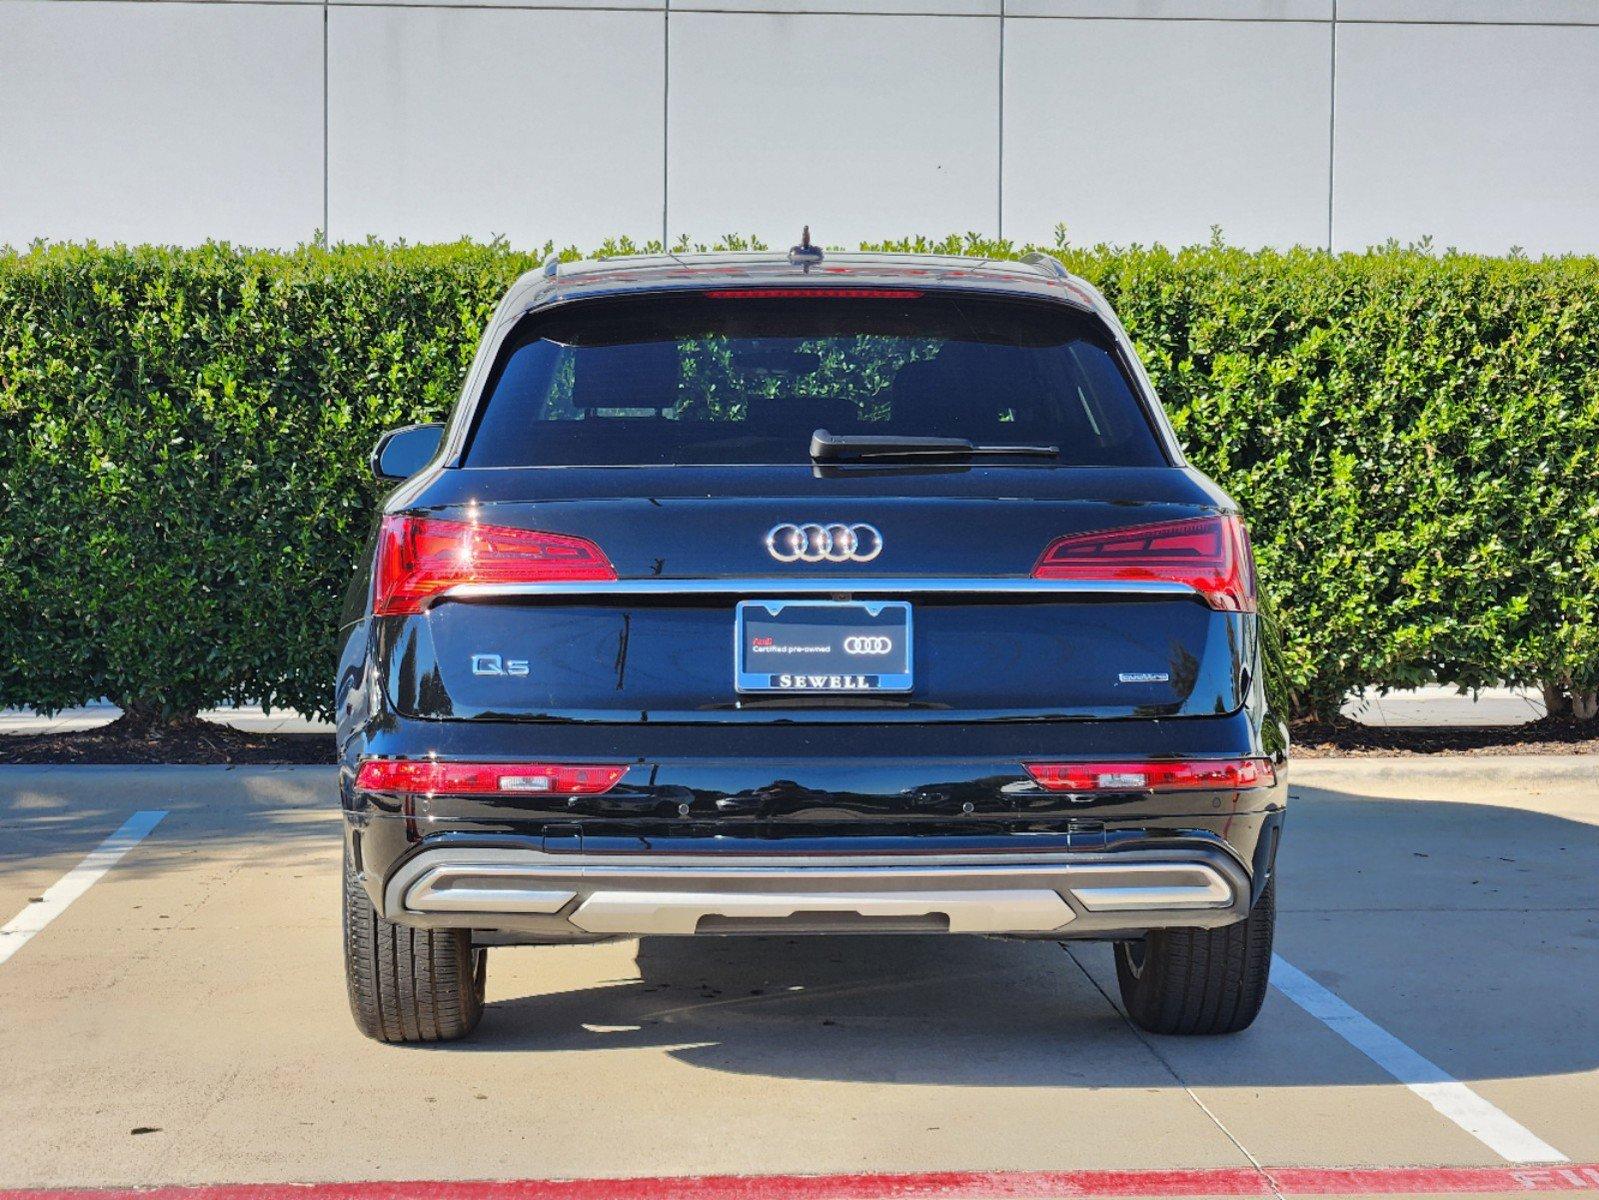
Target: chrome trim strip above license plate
[(852, 587)]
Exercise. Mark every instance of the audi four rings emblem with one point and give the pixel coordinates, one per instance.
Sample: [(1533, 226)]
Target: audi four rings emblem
[(815, 543), (868, 645)]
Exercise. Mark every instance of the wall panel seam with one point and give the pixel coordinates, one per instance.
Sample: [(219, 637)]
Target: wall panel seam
[(1332, 121), (1469, 23), (1456, 23), (999, 218), (666, 125), (327, 100)]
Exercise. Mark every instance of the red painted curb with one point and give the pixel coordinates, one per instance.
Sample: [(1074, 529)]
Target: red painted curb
[(942, 1185)]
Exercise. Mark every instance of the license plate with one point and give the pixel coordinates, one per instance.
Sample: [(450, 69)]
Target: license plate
[(833, 646)]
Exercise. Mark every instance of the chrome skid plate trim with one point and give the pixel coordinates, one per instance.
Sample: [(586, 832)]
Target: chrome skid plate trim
[(983, 911), (1197, 887), (484, 888), (658, 894)]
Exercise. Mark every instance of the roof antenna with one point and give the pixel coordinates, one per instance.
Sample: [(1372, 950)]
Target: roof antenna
[(805, 255)]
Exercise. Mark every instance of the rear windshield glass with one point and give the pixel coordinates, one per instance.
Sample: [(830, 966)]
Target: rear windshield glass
[(695, 378)]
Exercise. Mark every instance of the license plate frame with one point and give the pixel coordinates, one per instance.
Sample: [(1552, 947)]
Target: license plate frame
[(830, 621)]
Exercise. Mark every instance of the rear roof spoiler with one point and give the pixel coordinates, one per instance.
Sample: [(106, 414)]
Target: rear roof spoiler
[(1047, 264)]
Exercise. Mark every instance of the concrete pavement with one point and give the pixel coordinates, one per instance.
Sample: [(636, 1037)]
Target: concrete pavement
[(249, 717), (195, 991), (1437, 705), (1433, 705)]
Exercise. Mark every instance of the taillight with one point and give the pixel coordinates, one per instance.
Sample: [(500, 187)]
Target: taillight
[(1209, 554), (433, 778), (420, 558), (1202, 774)]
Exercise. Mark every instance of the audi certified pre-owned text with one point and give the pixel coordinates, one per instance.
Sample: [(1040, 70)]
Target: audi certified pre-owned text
[(753, 594)]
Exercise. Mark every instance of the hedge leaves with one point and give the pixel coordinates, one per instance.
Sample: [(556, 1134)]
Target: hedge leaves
[(183, 441)]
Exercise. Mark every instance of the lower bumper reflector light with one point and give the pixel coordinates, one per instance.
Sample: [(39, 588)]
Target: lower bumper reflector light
[(1188, 775), (434, 778)]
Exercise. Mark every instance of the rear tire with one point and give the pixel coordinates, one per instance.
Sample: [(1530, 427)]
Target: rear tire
[(408, 985), (1188, 981)]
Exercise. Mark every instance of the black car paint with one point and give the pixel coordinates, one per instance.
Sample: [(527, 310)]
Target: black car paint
[(710, 772)]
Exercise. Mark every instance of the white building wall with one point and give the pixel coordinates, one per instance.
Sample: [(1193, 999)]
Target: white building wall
[(1281, 121)]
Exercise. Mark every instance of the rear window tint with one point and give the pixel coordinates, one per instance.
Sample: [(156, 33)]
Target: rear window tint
[(691, 378)]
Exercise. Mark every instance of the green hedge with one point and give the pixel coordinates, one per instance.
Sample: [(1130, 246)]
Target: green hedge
[(183, 439)]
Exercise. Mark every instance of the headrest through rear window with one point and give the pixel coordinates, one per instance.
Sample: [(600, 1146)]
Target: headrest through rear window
[(630, 375), (940, 394)]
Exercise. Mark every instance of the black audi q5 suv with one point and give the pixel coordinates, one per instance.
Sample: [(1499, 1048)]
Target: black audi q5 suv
[(758, 593)]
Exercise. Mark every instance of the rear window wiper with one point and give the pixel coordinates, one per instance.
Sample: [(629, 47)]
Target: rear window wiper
[(828, 447)]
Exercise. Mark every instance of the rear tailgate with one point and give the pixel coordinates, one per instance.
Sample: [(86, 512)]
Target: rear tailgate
[(688, 544)]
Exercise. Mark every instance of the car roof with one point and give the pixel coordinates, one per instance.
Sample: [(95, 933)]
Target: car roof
[(1036, 275)]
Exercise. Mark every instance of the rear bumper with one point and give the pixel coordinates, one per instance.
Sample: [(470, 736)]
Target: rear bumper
[(729, 829), (577, 897)]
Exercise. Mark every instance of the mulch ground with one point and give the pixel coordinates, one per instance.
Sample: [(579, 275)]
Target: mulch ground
[(193, 741), (206, 742), (1350, 739)]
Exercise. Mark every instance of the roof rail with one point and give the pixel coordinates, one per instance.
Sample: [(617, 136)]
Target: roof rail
[(552, 266), (1047, 263)]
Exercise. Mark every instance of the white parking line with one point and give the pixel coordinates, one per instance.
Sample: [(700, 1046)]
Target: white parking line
[(14, 934), (1495, 1129)]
